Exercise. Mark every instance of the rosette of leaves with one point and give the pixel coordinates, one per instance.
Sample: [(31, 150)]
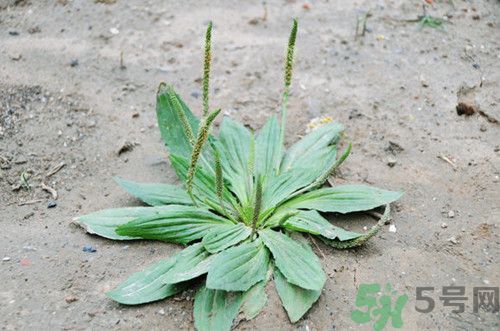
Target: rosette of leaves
[(242, 205)]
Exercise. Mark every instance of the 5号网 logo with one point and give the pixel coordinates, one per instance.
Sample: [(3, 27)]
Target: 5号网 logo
[(379, 305)]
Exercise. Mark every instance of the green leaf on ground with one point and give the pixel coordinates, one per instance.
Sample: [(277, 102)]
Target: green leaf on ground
[(296, 300), (238, 268), (155, 194), (297, 262), (146, 286), (215, 310), (225, 236)]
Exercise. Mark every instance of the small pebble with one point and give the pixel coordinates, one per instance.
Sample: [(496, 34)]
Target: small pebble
[(6, 259), (392, 228), (74, 63), (451, 214), (453, 240), (486, 282), (391, 162), (29, 248), (51, 204), (114, 31), (89, 249), (161, 311), (444, 225), (71, 298), (14, 33)]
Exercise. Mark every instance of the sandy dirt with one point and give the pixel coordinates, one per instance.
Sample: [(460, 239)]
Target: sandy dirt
[(67, 100)]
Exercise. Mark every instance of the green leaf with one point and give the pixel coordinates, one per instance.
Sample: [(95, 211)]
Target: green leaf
[(267, 148), (178, 224), (240, 267), (105, 222), (312, 222), (233, 143), (155, 194), (295, 299), (192, 262), (344, 199), (254, 300), (362, 239), (316, 151), (215, 310), (296, 261), (280, 187), (171, 127), (146, 286), (225, 236)]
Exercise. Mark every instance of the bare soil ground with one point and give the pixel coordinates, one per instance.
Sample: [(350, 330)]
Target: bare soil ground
[(65, 98)]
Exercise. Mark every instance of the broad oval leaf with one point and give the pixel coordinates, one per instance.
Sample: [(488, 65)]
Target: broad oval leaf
[(215, 310), (171, 128), (224, 236), (296, 300), (267, 148), (308, 153), (105, 222), (233, 143), (146, 286), (178, 224), (192, 262), (156, 194), (344, 199), (296, 261), (312, 222), (255, 299), (240, 267)]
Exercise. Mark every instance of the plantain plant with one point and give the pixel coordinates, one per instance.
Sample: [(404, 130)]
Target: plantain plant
[(243, 204)]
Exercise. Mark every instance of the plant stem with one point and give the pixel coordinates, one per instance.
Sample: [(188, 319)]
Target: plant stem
[(257, 206)]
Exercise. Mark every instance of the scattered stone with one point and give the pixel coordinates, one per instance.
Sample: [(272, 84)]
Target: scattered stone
[(6, 259), (444, 225), (453, 240), (29, 248), (394, 148), (52, 204), (391, 162), (89, 249), (466, 109), (161, 311), (16, 56), (71, 298), (126, 146), (35, 29), (14, 33), (466, 104), (74, 63), (392, 228), (451, 214), (486, 282), (135, 115), (28, 215), (25, 262), (114, 31), (476, 66), (195, 94)]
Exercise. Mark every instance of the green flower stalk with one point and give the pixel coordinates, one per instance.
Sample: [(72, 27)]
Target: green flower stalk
[(206, 68)]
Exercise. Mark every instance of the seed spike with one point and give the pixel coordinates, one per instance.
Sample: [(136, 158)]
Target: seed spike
[(256, 206), (206, 68), (200, 141), (288, 82), (219, 177), (182, 116)]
